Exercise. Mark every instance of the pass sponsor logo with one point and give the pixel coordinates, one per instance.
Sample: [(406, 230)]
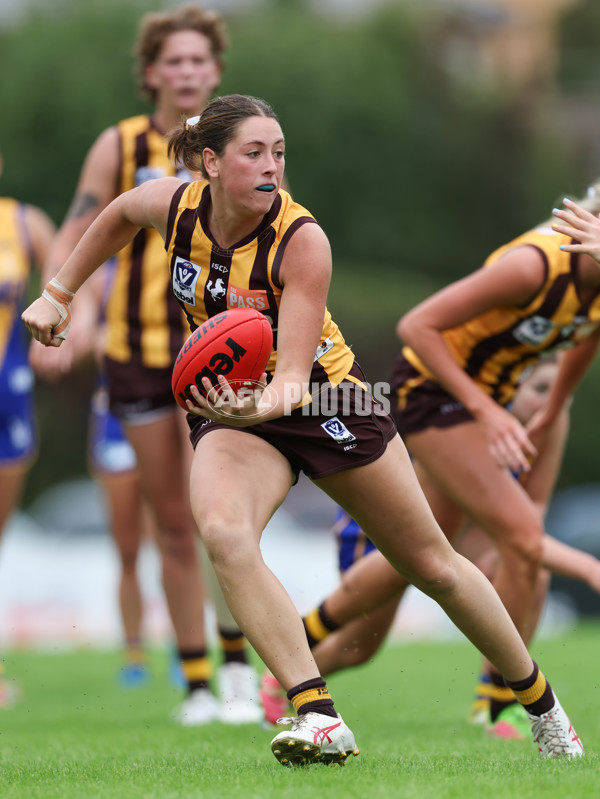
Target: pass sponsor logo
[(247, 298)]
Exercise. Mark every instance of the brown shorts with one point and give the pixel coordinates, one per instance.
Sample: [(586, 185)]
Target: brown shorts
[(419, 403), (135, 389), (347, 428)]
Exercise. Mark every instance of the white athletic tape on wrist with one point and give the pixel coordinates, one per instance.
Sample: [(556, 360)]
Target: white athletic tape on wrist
[(60, 298)]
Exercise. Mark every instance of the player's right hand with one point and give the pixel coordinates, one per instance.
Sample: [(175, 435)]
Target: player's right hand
[(507, 439), (41, 318)]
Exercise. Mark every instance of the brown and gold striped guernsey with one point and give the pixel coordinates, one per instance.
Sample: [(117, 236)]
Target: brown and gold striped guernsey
[(15, 267), (144, 321), (208, 280), (497, 346)]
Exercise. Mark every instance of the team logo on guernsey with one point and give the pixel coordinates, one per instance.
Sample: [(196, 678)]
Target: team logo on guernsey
[(185, 277), (536, 331), (217, 290), (146, 173), (338, 431)]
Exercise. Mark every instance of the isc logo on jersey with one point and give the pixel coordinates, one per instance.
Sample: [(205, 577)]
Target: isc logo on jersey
[(247, 298), (185, 277)]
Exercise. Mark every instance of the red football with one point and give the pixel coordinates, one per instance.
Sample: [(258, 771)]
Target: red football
[(236, 344)]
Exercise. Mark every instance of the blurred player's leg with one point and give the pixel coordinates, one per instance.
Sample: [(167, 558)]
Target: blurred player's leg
[(237, 678), (159, 447)]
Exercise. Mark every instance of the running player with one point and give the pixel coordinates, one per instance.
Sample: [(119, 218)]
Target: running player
[(239, 223), (26, 234)]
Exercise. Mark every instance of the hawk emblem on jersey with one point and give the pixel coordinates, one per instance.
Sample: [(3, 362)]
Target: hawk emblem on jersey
[(338, 431), (185, 277), (534, 331), (217, 290)]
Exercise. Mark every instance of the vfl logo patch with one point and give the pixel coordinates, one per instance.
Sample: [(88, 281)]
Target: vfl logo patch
[(185, 277), (338, 431), (145, 173)]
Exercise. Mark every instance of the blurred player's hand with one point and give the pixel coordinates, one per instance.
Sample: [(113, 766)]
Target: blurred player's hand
[(581, 225)]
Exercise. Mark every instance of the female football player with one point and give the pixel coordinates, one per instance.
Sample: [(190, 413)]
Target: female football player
[(179, 56), (237, 221)]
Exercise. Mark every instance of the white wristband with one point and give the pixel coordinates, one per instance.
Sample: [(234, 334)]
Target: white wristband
[(60, 298)]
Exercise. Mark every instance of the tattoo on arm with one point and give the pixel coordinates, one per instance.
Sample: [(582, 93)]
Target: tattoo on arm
[(82, 203)]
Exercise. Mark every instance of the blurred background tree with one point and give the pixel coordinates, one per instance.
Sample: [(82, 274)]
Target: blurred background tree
[(422, 136)]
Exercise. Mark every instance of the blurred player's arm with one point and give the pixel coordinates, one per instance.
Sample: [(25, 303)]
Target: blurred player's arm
[(539, 483), (96, 188), (511, 280), (558, 557), (573, 364), (41, 231), (567, 561)]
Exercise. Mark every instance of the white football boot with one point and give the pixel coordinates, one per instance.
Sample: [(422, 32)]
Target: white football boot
[(554, 733), (200, 707), (238, 691), (314, 738)]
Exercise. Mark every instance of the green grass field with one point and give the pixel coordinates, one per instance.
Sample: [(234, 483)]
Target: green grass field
[(76, 733)]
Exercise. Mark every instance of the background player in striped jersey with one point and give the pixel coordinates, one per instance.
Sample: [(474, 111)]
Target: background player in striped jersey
[(466, 348), (26, 234), (249, 450), (179, 59)]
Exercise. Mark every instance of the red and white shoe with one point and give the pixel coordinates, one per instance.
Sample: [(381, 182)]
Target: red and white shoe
[(314, 738), (273, 698), (554, 733)]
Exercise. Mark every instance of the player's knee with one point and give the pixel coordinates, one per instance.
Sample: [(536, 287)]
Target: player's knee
[(361, 653), (129, 561), (435, 577), (178, 540), (229, 545)]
